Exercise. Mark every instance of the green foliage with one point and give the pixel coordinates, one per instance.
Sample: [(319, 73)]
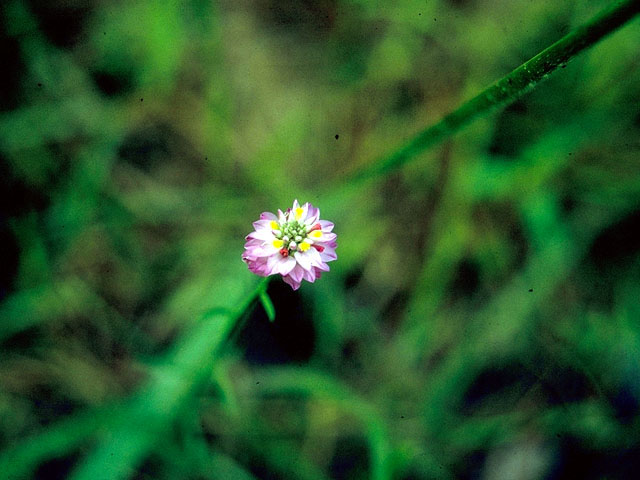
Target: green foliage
[(481, 319)]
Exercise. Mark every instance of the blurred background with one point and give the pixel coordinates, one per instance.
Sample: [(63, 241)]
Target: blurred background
[(482, 320)]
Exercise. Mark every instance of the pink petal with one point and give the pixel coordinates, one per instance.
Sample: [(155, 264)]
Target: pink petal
[(268, 216), (297, 273), (309, 276), (295, 285), (322, 267), (328, 237), (253, 242), (312, 214), (326, 226), (259, 267), (328, 255)]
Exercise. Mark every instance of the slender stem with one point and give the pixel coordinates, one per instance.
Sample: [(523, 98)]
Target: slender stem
[(149, 413), (508, 89), (242, 313), (261, 287)]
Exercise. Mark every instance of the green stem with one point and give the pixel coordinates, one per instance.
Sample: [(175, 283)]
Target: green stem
[(508, 89), (260, 288), (242, 312), (171, 384)]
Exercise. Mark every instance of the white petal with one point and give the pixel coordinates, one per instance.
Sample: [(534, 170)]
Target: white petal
[(286, 265), (265, 235), (273, 263), (262, 225), (265, 250), (314, 257), (303, 259)]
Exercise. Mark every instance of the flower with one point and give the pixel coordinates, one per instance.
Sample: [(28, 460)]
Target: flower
[(296, 244)]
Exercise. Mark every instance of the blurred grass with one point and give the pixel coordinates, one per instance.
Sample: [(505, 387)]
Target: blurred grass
[(481, 321)]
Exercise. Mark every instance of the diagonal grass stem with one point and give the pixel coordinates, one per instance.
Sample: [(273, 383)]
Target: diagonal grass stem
[(506, 90)]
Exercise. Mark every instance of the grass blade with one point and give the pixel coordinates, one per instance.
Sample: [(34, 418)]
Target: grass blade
[(508, 89)]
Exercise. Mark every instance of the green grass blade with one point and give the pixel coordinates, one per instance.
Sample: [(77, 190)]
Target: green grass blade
[(508, 89), (150, 413)]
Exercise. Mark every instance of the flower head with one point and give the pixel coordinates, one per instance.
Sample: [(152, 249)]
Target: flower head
[(296, 244)]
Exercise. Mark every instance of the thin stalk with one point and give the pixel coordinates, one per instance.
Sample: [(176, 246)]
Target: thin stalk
[(242, 312), (508, 89)]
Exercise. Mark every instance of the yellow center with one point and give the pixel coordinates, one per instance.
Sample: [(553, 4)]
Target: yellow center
[(316, 234), (299, 212), (304, 246), (278, 243), (274, 225)]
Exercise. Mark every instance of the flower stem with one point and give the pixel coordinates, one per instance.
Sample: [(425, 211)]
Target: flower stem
[(508, 89), (242, 312), (246, 303)]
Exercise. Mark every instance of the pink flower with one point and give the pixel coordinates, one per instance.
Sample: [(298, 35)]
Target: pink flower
[(296, 244)]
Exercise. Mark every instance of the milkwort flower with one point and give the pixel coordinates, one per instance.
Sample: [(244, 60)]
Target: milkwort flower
[(296, 244)]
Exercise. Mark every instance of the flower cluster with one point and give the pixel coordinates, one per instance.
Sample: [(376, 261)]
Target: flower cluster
[(296, 244)]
